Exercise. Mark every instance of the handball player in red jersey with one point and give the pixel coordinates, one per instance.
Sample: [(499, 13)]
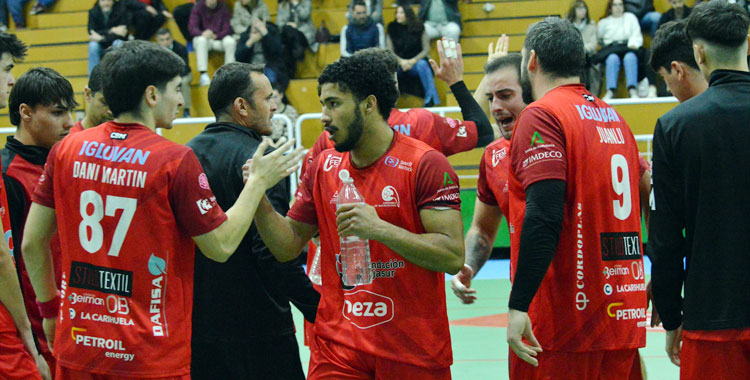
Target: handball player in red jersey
[(129, 207), (397, 326), (19, 357), (575, 215)]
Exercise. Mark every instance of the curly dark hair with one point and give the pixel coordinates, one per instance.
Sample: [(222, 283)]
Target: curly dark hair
[(363, 75)]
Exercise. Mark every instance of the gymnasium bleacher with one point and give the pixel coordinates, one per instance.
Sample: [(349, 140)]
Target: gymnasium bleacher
[(58, 39)]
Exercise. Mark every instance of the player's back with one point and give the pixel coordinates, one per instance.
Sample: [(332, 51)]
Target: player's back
[(601, 222), (127, 263)]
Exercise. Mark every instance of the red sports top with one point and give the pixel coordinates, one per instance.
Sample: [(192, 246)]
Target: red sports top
[(127, 203), (78, 127), (492, 186), (593, 296), (446, 135), (401, 316), (6, 321)]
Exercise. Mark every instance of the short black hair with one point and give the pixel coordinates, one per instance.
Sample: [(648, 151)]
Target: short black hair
[(163, 31), (9, 43), (512, 60), (40, 86), (95, 79), (359, 2), (385, 55), (718, 22), (131, 68), (558, 46), (363, 75), (671, 43), (230, 82)]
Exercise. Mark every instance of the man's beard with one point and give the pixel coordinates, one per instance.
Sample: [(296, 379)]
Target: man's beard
[(354, 131), (526, 93)]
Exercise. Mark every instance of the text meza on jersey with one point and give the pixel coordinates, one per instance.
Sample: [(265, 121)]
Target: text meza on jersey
[(108, 175)]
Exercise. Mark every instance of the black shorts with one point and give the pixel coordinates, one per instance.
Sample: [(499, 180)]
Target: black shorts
[(257, 358)]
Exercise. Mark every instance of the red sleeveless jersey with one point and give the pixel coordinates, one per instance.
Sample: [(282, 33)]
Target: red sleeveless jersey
[(127, 202), (401, 316), (593, 296)]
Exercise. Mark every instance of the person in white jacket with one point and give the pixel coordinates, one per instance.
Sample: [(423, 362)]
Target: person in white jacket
[(620, 27)]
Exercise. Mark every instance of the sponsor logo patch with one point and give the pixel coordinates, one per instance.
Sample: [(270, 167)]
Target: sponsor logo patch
[(101, 279), (203, 181), (620, 246), (365, 309)]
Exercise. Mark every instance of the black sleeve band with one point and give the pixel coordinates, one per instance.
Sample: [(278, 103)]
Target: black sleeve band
[(471, 111), (540, 234)]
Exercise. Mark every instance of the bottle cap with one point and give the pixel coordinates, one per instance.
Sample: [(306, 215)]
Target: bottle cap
[(344, 176)]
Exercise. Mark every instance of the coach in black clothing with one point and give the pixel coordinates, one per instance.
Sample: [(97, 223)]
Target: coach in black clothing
[(242, 323), (701, 175)]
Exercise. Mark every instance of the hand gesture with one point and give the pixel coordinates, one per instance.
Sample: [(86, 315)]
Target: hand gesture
[(519, 326), (655, 320), (120, 30), (451, 69), (357, 219), (674, 345), (260, 26), (151, 10), (268, 169), (500, 50), (461, 285), (94, 36)]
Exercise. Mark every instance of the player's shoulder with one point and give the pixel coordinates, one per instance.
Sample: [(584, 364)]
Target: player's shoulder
[(406, 144), (498, 144)]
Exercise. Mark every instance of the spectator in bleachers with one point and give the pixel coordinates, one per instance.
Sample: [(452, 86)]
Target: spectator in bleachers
[(181, 15), (165, 39), (408, 40), (648, 17), (678, 11), (361, 33), (374, 10), (619, 37), (261, 44), (441, 18), (246, 12), (284, 108), (150, 18), (15, 8), (578, 15), (108, 25), (297, 31), (211, 30)]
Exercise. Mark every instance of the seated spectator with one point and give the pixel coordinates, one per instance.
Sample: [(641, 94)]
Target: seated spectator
[(361, 33), (578, 15), (15, 7), (181, 14), (297, 31), (644, 10), (620, 37), (211, 30), (108, 26), (441, 18), (261, 44), (165, 39), (678, 11), (374, 10), (245, 12), (284, 108), (150, 18), (408, 40)]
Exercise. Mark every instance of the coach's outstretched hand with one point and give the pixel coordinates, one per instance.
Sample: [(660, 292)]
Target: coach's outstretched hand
[(451, 69), (267, 170), (519, 327)]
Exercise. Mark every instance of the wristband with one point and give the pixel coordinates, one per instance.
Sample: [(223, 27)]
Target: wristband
[(50, 308)]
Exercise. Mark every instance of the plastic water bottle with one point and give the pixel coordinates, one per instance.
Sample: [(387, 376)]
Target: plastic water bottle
[(355, 252), (314, 272)]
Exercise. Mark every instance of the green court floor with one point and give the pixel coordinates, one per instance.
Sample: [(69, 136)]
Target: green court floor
[(478, 337)]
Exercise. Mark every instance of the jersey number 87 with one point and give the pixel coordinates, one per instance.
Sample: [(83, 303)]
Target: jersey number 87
[(92, 221)]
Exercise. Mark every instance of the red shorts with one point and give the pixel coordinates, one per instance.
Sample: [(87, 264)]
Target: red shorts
[(704, 359), (594, 365), (330, 360), (62, 373), (15, 362)]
